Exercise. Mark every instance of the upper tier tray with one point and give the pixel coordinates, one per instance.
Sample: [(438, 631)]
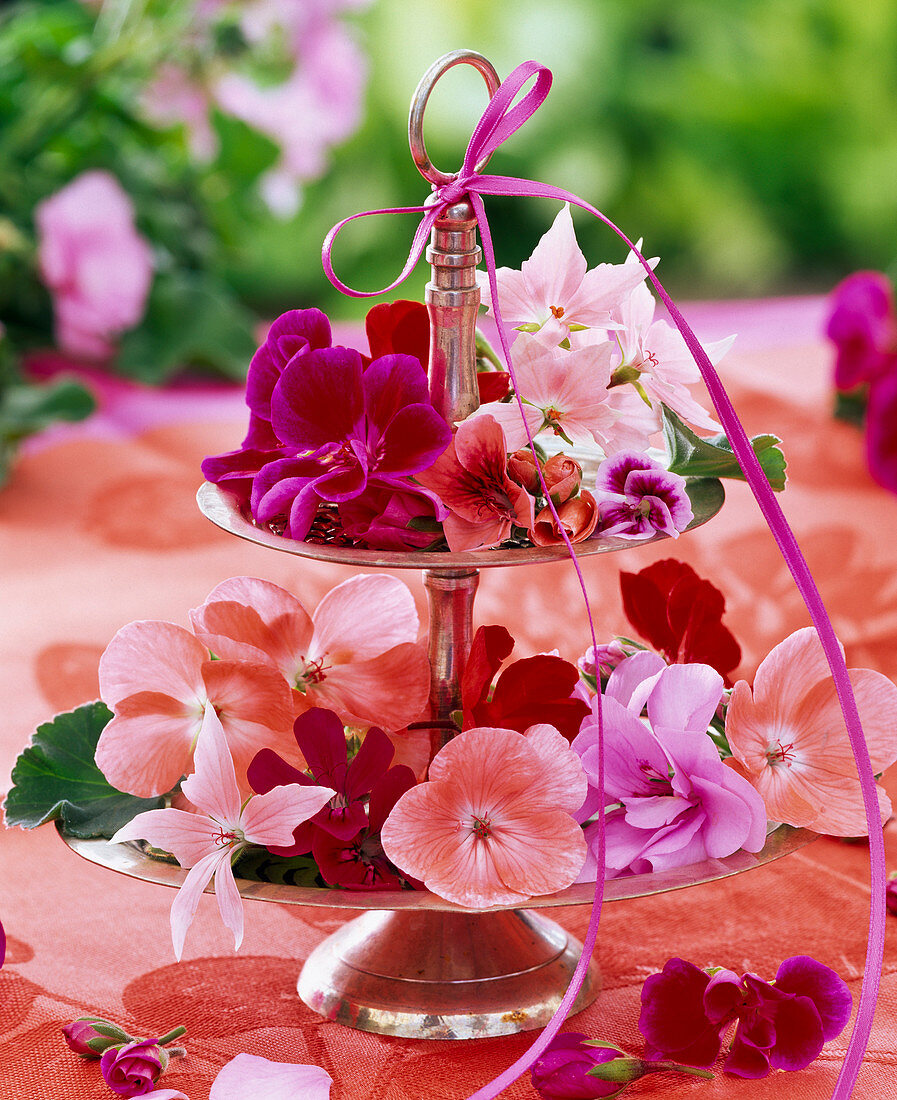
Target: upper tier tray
[(706, 495)]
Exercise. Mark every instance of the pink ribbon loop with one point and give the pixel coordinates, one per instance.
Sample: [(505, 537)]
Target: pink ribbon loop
[(502, 118)]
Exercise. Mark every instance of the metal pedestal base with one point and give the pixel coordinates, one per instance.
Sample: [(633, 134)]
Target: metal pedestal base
[(442, 975)]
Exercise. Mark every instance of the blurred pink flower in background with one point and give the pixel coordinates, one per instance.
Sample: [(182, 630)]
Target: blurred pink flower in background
[(96, 265), (316, 105)]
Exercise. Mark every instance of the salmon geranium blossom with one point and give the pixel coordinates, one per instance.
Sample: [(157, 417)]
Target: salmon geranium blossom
[(357, 653), (493, 824), (158, 679), (789, 740)]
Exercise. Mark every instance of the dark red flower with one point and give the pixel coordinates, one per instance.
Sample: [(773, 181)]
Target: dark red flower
[(360, 862), (535, 689), (493, 385), (680, 615), (780, 1025), (400, 326), (322, 741)]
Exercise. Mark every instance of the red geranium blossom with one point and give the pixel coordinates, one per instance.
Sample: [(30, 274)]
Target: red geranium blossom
[(680, 615), (401, 327), (529, 692), (780, 1025)]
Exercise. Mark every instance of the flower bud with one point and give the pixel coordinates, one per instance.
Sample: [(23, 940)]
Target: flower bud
[(562, 476), (133, 1069), (609, 655), (579, 518), (522, 468), (90, 1036)]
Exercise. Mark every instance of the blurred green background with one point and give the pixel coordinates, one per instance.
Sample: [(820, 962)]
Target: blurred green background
[(752, 143)]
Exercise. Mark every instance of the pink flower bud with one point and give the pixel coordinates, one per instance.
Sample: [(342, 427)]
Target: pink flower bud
[(562, 476), (90, 1036), (522, 469), (133, 1069)]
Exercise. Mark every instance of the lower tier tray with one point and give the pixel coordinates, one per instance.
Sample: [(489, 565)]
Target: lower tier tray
[(421, 967)]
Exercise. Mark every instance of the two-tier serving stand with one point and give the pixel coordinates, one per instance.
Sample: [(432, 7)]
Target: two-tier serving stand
[(413, 964)]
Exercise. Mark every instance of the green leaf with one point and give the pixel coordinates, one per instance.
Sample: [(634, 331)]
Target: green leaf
[(243, 153), (692, 456), (190, 321), (56, 779), (260, 865)]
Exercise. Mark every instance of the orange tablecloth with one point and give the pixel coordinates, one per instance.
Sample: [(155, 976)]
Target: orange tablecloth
[(99, 528)]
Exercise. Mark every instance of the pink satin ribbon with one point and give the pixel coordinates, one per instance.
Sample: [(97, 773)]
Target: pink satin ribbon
[(499, 121)]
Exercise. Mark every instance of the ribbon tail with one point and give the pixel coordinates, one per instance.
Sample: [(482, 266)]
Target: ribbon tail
[(803, 579), (526, 1060)]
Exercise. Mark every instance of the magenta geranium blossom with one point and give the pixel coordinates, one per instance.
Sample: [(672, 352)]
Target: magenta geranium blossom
[(863, 327), (686, 1012), (393, 514), (322, 741), (348, 423), (638, 498), (668, 797)]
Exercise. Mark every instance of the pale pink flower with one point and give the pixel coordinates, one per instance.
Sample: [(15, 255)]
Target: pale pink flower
[(653, 356), (250, 1077), (553, 290), (493, 824), (357, 654), (564, 392), (96, 265), (172, 97), (789, 740), (207, 842), (159, 680)]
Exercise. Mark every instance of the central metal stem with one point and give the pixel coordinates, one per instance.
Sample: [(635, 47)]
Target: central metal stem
[(451, 595)]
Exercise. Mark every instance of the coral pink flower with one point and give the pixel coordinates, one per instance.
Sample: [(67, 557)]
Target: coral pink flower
[(789, 740), (553, 290), (96, 265), (357, 654), (158, 680), (493, 825), (471, 479), (208, 841)]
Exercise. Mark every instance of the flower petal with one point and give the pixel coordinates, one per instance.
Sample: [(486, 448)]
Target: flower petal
[(389, 691), (212, 787), (271, 818), (152, 656), (189, 837), (230, 904), (146, 753), (363, 617), (183, 910), (250, 1077)]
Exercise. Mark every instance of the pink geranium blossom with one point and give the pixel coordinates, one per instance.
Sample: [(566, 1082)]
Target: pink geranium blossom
[(669, 800), (250, 1077), (357, 654), (653, 356), (471, 479), (159, 680), (96, 265), (789, 740), (208, 841), (493, 824), (553, 290), (564, 392)]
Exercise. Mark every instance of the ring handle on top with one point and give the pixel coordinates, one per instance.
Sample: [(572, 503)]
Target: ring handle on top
[(419, 102)]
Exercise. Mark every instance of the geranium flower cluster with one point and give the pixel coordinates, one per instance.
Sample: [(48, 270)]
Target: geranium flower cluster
[(271, 727), (347, 447)]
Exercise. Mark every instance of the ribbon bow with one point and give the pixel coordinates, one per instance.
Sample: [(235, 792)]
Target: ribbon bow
[(502, 118)]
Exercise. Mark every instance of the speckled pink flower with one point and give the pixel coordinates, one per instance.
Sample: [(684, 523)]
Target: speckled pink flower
[(493, 824)]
